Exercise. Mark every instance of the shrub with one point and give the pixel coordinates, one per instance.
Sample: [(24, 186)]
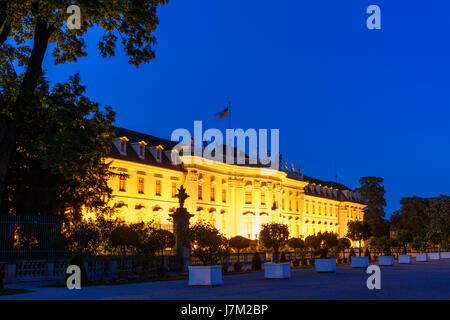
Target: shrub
[(77, 260), (352, 252), (274, 236), (256, 261), (238, 243), (206, 243), (298, 245)]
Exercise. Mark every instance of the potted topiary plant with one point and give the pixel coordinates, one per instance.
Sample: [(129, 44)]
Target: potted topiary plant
[(343, 244), (296, 244), (326, 261), (418, 244), (238, 243), (125, 239), (161, 240), (209, 246), (383, 245), (359, 231), (404, 237), (274, 236), (445, 254), (313, 243)]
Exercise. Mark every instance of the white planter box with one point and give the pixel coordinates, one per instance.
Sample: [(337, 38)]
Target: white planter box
[(277, 270), (405, 258), (205, 275), (445, 255), (386, 260), (360, 262), (435, 256), (421, 257), (325, 265)]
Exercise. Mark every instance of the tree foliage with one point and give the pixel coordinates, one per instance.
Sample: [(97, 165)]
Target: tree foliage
[(274, 236), (239, 243), (358, 231), (411, 216), (372, 195), (206, 243), (27, 27), (58, 167)]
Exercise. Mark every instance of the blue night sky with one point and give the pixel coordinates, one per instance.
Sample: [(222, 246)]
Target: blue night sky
[(362, 102)]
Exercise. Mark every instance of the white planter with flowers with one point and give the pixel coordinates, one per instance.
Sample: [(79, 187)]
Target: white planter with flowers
[(445, 255)]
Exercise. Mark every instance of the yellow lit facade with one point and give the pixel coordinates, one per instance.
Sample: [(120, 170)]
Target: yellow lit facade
[(236, 199)]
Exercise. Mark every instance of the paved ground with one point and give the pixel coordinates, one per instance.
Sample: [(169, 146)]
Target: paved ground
[(426, 280)]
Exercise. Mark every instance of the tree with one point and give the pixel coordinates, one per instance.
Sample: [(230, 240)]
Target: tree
[(358, 231), (84, 238), (404, 237), (313, 242), (274, 236), (329, 240), (372, 195), (239, 243), (297, 244), (411, 216), (162, 239), (438, 214), (206, 243), (58, 167), (42, 22), (342, 245), (124, 238), (419, 244)]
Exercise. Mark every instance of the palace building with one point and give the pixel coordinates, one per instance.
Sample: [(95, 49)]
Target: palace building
[(236, 199)]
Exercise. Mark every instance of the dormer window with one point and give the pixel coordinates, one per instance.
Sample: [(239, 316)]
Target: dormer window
[(123, 145), (159, 150), (141, 149)]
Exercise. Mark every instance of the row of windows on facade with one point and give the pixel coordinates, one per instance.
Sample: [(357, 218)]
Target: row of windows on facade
[(141, 185)]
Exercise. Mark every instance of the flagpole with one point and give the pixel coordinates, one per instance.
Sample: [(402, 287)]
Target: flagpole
[(229, 119)]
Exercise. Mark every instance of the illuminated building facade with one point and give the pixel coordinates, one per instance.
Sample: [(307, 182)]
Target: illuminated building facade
[(236, 199)]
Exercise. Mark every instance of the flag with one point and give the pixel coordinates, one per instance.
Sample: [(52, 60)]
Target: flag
[(223, 113)]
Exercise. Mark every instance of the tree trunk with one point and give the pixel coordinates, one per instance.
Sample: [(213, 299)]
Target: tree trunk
[(359, 247), (8, 133)]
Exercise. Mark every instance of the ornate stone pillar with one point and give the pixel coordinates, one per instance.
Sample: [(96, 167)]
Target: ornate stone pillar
[(181, 223)]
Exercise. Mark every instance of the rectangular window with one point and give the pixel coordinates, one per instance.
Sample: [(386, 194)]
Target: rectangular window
[(122, 183), (213, 193), (263, 198), (282, 203), (200, 192), (174, 189), (158, 187), (249, 230), (248, 197), (224, 194), (141, 151), (290, 204), (140, 185)]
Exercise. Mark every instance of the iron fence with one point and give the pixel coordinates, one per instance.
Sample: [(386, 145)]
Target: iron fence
[(30, 237)]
